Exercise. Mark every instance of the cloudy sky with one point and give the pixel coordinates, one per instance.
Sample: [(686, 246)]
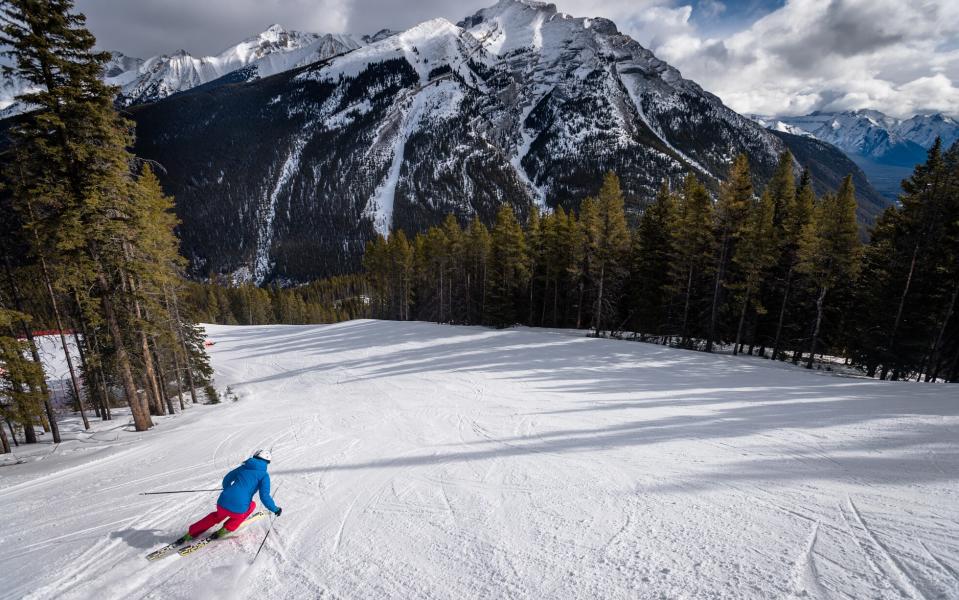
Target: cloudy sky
[(762, 56)]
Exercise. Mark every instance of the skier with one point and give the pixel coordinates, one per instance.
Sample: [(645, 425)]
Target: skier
[(235, 503)]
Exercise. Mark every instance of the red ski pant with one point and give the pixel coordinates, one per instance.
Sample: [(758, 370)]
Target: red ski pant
[(233, 520)]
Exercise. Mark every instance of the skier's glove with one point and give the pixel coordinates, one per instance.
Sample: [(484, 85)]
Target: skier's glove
[(278, 511)]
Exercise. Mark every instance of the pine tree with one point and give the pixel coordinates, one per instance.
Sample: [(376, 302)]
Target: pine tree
[(508, 269), (906, 295), (731, 210), (582, 232), (919, 229), (536, 248), (376, 267), (797, 209), (455, 280), (610, 246), (478, 243), (400, 264), (693, 247), (829, 250), (557, 249), (652, 255), (71, 178), (945, 334), (754, 255), (20, 388), (23, 319)]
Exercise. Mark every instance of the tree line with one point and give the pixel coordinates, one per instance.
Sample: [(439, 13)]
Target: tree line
[(88, 241), (779, 272), (324, 301)]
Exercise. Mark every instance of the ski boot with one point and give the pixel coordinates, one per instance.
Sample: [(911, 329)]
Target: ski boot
[(186, 538)]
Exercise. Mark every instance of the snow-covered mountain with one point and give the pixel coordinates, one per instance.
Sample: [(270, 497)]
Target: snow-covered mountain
[(273, 51), (10, 89), (885, 147), (517, 103), (871, 133), (924, 129)]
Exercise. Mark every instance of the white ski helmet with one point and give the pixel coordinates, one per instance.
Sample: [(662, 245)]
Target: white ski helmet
[(264, 454)]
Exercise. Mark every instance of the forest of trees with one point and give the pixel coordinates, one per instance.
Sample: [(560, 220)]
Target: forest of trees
[(325, 301), (88, 242), (777, 272)]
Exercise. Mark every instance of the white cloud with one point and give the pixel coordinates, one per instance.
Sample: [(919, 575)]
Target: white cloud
[(813, 54)]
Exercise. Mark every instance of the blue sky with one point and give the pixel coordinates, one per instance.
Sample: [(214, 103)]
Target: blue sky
[(724, 18), (759, 56)]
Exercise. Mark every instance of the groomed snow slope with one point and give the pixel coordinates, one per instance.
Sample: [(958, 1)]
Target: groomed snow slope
[(426, 461)]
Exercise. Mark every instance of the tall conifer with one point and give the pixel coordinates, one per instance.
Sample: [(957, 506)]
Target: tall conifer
[(829, 250)]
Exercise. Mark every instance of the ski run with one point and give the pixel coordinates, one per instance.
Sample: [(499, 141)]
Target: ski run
[(416, 460)]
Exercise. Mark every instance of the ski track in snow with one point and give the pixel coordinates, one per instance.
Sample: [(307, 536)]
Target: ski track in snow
[(416, 460)]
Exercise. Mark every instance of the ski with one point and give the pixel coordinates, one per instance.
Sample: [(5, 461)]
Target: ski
[(158, 554), (186, 551)]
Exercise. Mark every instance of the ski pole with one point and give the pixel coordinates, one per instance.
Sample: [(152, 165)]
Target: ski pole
[(180, 492), (272, 520)]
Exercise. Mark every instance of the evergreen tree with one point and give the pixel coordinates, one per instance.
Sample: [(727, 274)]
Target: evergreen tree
[(23, 319), (376, 266), (508, 269), (920, 231), (797, 212), (692, 262), (829, 250), (455, 281), (557, 251), (431, 258), (754, 255), (70, 178), (610, 245), (582, 232), (536, 248), (21, 398), (400, 264), (652, 255), (734, 197), (906, 292), (945, 333), (477, 255)]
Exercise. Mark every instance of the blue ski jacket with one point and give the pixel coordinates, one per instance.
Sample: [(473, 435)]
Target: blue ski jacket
[(241, 483)]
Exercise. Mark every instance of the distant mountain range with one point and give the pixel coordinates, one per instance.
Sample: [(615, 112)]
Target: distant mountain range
[(885, 147), (147, 80), (284, 178)]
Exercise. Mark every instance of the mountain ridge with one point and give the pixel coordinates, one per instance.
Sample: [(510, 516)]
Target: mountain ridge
[(271, 51)]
